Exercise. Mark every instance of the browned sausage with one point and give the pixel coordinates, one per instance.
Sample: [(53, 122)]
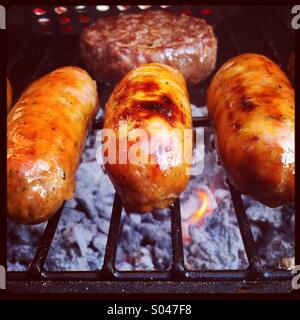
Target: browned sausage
[(154, 98), (45, 136), (251, 104)]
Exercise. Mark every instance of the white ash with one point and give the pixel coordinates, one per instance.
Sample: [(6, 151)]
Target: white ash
[(145, 240)]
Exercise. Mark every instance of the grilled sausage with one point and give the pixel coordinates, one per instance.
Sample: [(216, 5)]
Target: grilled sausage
[(8, 95), (47, 128), (251, 104), (154, 98)]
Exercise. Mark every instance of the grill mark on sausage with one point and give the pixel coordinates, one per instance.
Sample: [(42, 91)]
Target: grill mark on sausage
[(236, 126), (132, 87), (254, 139), (266, 95), (145, 109), (278, 117), (230, 116), (236, 86), (147, 86), (246, 104)]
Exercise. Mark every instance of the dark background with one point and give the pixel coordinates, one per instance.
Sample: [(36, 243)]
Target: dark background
[(34, 49)]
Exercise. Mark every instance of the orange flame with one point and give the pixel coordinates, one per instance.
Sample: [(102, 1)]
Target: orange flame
[(197, 217), (199, 213)]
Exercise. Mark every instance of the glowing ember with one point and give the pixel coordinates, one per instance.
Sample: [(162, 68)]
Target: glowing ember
[(186, 12), (123, 8), (84, 19), (44, 21), (199, 205), (144, 7), (198, 214), (81, 8), (68, 28), (206, 11), (205, 208), (39, 11), (65, 20), (60, 10), (102, 8)]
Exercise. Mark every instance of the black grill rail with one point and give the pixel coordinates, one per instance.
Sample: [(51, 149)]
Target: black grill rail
[(253, 279), (251, 30)]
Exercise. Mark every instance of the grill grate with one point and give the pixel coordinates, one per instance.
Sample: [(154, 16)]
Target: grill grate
[(109, 280), (178, 276)]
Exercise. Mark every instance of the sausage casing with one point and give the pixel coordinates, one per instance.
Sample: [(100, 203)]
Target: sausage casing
[(46, 133), (153, 98), (251, 104)]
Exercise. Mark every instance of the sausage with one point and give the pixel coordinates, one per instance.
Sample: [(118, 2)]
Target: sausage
[(152, 97), (251, 105), (8, 94), (46, 133)]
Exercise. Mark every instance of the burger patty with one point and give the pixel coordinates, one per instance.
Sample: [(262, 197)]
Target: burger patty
[(115, 45)]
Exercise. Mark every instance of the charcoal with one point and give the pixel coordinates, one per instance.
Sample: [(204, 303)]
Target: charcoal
[(163, 253), (161, 215), (21, 234), (99, 242), (135, 218), (162, 257), (130, 239), (22, 254), (212, 241), (143, 260), (72, 216), (125, 266), (89, 155), (78, 235), (103, 226), (151, 232), (71, 204), (148, 217), (259, 212)]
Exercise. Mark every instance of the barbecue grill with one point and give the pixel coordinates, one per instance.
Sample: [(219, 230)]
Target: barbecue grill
[(53, 42)]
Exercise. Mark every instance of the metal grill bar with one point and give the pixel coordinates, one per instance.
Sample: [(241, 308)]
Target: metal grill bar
[(178, 272), (255, 266), (207, 275), (141, 288), (36, 268), (178, 279), (177, 245), (112, 239)]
